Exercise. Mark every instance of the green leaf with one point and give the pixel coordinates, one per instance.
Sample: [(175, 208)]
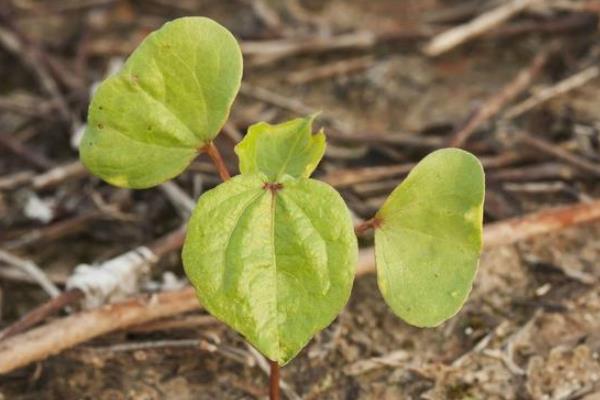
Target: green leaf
[(147, 123), (274, 261), (289, 148), (428, 238)]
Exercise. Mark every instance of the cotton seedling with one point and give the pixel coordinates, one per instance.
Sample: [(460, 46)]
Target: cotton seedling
[(272, 252)]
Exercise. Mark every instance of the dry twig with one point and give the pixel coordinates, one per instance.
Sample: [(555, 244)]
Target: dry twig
[(477, 27), (546, 221), (67, 332), (393, 359), (268, 51), (32, 58), (494, 104), (343, 67), (33, 270), (36, 159), (342, 178), (560, 88), (555, 151)]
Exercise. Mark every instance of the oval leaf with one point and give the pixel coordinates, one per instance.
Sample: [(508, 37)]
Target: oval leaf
[(274, 261), (289, 148), (429, 236), (146, 123)]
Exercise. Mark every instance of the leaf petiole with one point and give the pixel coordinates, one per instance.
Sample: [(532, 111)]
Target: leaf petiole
[(217, 160)]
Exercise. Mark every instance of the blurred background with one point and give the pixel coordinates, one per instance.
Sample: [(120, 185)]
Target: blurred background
[(516, 83)]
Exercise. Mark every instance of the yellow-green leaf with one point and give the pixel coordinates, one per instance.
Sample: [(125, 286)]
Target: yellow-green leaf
[(146, 123), (429, 238), (274, 261), (289, 148)]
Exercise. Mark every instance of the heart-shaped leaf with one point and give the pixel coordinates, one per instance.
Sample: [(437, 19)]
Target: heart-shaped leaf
[(275, 261), (289, 148), (428, 238), (147, 122)]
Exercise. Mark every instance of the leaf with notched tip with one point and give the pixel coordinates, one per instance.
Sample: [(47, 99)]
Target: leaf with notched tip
[(274, 261), (289, 148), (173, 95)]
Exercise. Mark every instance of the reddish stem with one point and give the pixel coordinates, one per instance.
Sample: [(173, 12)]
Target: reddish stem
[(274, 393), (217, 160), (372, 223)]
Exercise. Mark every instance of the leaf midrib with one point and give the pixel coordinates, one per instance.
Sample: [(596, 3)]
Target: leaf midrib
[(274, 256)]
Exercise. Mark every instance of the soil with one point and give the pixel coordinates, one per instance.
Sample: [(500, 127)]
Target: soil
[(531, 328)]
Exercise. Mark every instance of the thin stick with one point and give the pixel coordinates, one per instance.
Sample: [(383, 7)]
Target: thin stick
[(560, 88), (38, 314), (33, 270), (52, 231), (276, 99), (174, 323), (48, 179), (327, 71), (217, 160), (15, 274), (15, 180), (343, 178), (67, 332), (493, 105), (551, 220), (545, 146), (31, 57), (182, 202), (536, 172), (154, 344), (478, 26), (59, 174), (274, 391), (37, 160), (170, 242)]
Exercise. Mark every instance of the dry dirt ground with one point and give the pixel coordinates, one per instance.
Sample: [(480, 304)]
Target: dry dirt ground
[(531, 329)]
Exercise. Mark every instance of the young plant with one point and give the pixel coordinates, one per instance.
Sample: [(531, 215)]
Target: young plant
[(272, 252)]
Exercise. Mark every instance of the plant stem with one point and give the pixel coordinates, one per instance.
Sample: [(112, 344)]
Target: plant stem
[(216, 158), (366, 225), (274, 381)]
